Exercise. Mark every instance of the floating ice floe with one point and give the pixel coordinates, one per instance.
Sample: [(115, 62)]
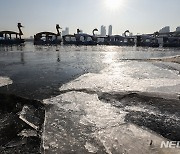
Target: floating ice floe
[(5, 81)]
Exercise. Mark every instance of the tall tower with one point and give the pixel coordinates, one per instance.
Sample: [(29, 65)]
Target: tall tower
[(110, 30), (67, 30), (178, 29), (103, 30)]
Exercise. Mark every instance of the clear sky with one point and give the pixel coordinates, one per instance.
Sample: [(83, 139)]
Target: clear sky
[(139, 16)]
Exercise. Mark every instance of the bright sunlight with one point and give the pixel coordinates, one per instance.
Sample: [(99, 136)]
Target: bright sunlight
[(113, 4)]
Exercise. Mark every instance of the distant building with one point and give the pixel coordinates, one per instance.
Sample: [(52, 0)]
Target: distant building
[(81, 31), (110, 30), (178, 29), (65, 32), (165, 30), (103, 30), (130, 34)]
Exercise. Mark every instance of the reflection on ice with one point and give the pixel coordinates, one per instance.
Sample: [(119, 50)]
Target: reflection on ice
[(110, 57)]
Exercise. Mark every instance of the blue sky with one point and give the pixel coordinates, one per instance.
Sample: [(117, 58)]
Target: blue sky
[(139, 16)]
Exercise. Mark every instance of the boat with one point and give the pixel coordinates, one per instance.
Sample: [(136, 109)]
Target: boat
[(146, 41), (48, 38), (102, 40), (171, 41), (122, 40), (116, 40), (11, 37), (80, 39)]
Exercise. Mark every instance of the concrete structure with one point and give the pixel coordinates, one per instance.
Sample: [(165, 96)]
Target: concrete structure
[(110, 30)]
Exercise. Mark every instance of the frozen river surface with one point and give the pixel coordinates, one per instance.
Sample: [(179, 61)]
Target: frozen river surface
[(98, 99)]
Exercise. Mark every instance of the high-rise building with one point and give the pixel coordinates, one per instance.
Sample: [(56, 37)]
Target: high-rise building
[(81, 31), (178, 29), (165, 30), (65, 32), (103, 30), (110, 30), (130, 34)]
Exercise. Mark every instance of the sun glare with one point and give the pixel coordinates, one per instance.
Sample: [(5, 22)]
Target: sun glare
[(113, 4)]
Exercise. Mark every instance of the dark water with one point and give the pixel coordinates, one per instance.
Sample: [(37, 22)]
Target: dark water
[(38, 71)]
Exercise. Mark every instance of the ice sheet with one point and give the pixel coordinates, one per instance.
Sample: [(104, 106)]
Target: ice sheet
[(77, 121), (129, 76)]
